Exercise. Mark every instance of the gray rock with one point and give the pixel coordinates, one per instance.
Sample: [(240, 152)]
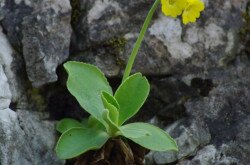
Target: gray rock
[(230, 98), (205, 156), (10, 146), (110, 28), (41, 31), (13, 68), (243, 135), (225, 111), (204, 101), (149, 160), (5, 94), (107, 27), (46, 42), (26, 139), (184, 162), (189, 135), (12, 14), (203, 55), (223, 156), (104, 20), (210, 155), (1, 7), (161, 158)]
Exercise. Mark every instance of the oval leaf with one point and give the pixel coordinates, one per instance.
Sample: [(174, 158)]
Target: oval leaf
[(77, 141), (130, 132), (86, 82), (131, 95), (95, 124), (157, 139), (111, 99), (112, 127), (66, 124), (113, 112)]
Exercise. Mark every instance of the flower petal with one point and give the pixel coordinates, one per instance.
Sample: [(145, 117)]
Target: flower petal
[(192, 11), (173, 8)]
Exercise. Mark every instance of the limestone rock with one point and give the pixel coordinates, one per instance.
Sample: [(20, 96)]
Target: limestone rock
[(13, 68), (41, 31), (206, 156), (5, 94), (211, 155), (46, 42), (199, 74), (189, 135), (12, 15), (26, 139), (106, 32)]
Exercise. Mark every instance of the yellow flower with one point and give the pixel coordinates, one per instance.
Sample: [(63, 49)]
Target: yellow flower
[(173, 8), (192, 11)]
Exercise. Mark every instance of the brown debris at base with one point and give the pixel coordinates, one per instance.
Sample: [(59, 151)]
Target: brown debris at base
[(114, 152)]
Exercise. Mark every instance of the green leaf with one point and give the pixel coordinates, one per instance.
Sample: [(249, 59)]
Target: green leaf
[(77, 141), (111, 99), (85, 83), (132, 132), (66, 124), (95, 124), (113, 128), (131, 95), (108, 102), (157, 139)]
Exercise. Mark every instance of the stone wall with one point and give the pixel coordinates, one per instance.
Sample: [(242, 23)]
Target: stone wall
[(199, 74)]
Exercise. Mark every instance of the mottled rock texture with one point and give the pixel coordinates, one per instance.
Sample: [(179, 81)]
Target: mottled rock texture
[(34, 40), (108, 29), (40, 31), (199, 74), (26, 138)]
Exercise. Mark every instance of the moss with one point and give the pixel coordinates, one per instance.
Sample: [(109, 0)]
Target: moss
[(117, 43), (246, 28), (116, 46), (246, 16), (245, 33), (36, 99), (76, 12)]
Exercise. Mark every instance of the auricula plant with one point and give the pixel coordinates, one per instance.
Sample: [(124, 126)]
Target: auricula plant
[(110, 110)]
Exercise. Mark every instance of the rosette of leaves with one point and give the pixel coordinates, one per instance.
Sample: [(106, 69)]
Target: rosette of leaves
[(108, 112)]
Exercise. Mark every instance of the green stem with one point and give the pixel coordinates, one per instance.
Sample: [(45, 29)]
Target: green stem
[(139, 40)]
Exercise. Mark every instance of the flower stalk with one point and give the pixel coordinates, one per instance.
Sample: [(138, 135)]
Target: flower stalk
[(189, 9), (139, 40)]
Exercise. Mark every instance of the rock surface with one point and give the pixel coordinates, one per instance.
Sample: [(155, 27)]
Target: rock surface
[(45, 44), (109, 33), (29, 53), (207, 59), (189, 135), (5, 94), (199, 74), (108, 29), (26, 139), (12, 65)]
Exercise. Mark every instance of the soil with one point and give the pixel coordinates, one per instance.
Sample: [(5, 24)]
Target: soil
[(114, 152)]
